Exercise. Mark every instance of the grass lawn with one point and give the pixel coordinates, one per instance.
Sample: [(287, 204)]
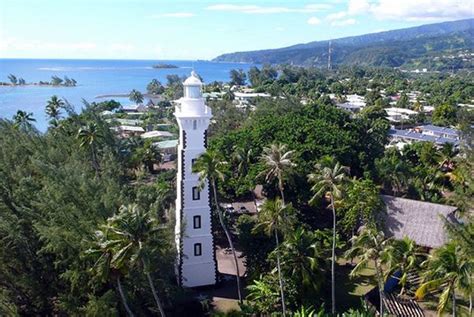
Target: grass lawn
[(224, 305), (350, 290)]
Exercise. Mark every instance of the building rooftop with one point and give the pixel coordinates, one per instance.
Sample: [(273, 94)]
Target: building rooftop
[(415, 136), (131, 128), (437, 129), (419, 220), (166, 144), (251, 94), (396, 110), (156, 134)]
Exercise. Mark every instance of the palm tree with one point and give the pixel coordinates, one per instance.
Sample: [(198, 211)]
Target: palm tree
[(402, 255), (328, 182), (135, 96), (134, 232), (463, 235), (23, 119), (243, 157), (53, 107), (209, 167), (301, 259), (104, 248), (89, 135), (273, 219), (369, 246), (277, 162), (148, 154), (448, 269)]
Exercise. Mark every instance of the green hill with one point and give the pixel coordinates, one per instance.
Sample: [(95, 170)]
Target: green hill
[(437, 46)]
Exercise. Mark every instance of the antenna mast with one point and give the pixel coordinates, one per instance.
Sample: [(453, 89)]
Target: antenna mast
[(329, 56)]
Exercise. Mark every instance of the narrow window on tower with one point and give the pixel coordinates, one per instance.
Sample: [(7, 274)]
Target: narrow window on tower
[(192, 162), (194, 124), (197, 222), (197, 249), (196, 193)]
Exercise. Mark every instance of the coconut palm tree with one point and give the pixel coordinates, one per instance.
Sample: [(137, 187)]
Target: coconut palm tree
[(104, 249), (370, 245), (402, 255), (210, 168), (133, 231), (328, 182), (53, 107), (301, 259), (135, 96), (243, 158), (277, 162), (448, 269), (90, 135), (23, 120), (274, 218), (463, 235), (148, 154)]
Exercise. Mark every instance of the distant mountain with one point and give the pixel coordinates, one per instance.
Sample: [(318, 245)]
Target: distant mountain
[(420, 46)]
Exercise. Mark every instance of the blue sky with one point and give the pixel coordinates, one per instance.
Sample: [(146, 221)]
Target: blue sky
[(155, 29)]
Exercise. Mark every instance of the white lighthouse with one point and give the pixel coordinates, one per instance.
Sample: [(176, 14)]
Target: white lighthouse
[(196, 265)]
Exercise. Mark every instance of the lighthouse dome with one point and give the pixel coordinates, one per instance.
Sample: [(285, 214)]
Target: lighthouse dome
[(193, 80)]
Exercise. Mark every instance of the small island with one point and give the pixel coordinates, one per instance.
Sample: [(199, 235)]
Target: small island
[(55, 81), (164, 66)]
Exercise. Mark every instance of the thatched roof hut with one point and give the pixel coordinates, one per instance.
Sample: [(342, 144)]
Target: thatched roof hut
[(421, 221)]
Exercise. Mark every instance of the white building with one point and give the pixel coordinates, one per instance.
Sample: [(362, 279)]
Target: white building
[(395, 114), (353, 103), (196, 263)]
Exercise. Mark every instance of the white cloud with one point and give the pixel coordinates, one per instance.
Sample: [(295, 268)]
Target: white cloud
[(358, 7), (403, 10), (279, 29), (423, 10), (345, 22), (255, 9), (336, 16), (174, 15), (314, 21)]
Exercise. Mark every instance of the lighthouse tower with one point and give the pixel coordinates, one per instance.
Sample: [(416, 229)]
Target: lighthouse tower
[(196, 265)]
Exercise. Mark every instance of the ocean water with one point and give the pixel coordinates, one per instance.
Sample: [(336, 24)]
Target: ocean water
[(94, 78)]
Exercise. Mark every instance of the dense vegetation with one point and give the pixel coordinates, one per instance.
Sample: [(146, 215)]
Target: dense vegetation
[(437, 47), (86, 220)]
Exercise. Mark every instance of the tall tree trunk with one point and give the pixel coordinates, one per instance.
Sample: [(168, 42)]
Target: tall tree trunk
[(280, 279), (280, 187), (95, 163), (470, 304), (124, 299), (155, 295), (229, 239), (454, 302), (333, 259), (380, 285)]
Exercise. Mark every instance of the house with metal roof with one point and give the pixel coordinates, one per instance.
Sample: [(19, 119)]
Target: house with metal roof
[(410, 136), (156, 134), (168, 147), (135, 108), (440, 132)]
